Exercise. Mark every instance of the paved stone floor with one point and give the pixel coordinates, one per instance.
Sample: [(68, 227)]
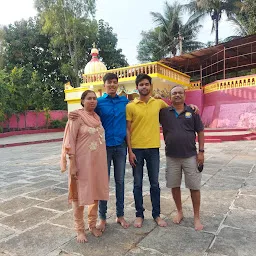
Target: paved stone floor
[(36, 220)]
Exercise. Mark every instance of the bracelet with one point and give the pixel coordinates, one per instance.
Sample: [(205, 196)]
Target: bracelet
[(201, 150), (71, 156)]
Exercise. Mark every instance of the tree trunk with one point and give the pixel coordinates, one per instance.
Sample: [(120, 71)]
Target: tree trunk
[(217, 29)]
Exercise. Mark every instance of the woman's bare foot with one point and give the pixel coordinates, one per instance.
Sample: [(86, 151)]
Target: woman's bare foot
[(102, 225), (81, 238), (122, 222), (178, 218), (160, 222), (198, 225), (138, 222), (96, 232)]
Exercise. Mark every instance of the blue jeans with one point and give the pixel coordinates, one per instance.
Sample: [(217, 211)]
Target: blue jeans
[(151, 156), (117, 154)]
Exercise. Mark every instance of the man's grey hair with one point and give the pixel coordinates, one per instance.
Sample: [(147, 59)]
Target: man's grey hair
[(177, 86)]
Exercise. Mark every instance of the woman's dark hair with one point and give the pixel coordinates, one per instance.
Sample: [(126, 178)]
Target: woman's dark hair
[(84, 94), (141, 77)]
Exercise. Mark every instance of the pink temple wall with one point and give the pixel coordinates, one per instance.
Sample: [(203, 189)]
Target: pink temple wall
[(195, 97), (233, 108), (34, 119)]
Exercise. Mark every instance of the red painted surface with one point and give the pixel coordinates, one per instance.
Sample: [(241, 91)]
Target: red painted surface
[(233, 108), (196, 98), (34, 120)]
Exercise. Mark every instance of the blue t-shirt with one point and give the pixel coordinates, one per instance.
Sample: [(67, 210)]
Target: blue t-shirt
[(113, 117)]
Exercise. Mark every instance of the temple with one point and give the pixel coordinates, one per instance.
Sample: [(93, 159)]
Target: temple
[(220, 80)]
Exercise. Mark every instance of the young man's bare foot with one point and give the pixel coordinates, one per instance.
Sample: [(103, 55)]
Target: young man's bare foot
[(122, 222), (102, 225), (160, 222), (178, 218), (81, 238), (138, 222), (96, 232), (198, 225)]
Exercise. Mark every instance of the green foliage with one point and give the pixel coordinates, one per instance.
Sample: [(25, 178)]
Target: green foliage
[(149, 48), (164, 39), (39, 55), (107, 42), (214, 8), (68, 24), (58, 124)]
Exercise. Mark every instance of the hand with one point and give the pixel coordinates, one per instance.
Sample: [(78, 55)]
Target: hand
[(200, 158), (73, 172), (157, 96), (132, 159), (73, 115), (195, 108)]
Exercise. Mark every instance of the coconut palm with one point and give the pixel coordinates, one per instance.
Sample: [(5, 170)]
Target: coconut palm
[(214, 8), (172, 30)]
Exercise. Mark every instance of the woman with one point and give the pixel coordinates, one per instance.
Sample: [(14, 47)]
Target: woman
[(84, 142)]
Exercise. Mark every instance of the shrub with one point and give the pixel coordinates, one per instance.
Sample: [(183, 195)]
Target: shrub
[(57, 124)]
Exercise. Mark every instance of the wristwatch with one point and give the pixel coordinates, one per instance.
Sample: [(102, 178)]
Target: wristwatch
[(201, 150)]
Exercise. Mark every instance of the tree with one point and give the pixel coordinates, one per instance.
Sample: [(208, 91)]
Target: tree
[(107, 43), (214, 8), (245, 19), (26, 47), (68, 24), (168, 32), (149, 49)]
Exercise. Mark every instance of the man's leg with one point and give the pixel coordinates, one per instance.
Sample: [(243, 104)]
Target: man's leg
[(102, 203), (176, 194), (195, 196), (92, 219), (78, 213), (137, 186), (119, 162), (193, 182), (173, 177), (152, 160)]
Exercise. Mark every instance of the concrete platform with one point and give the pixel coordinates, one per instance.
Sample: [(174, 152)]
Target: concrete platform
[(36, 220)]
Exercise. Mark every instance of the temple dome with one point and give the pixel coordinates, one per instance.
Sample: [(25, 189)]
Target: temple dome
[(94, 65)]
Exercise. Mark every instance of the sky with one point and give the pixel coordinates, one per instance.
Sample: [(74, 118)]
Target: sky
[(127, 17)]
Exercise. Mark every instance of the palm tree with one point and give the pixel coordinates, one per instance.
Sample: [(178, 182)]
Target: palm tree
[(214, 8), (172, 31)]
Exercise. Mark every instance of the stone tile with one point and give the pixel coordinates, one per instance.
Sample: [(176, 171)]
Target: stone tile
[(115, 241), (210, 220), (11, 186), (62, 185), (58, 204), (243, 219), (227, 183), (144, 252), (39, 241), (246, 202), (27, 218), (17, 204), (232, 242), (43, 184), (47, 193), (66, 219), (221, 159), (16, 192), (168, 241), (233, 172), (4, 232)]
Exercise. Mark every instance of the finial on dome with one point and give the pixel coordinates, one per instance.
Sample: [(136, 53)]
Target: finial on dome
[(94, 50)]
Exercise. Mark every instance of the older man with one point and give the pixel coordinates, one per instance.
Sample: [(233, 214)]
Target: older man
[(180, 125)]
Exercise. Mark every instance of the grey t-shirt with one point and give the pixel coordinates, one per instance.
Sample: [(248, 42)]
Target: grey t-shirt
[(179, 131)]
